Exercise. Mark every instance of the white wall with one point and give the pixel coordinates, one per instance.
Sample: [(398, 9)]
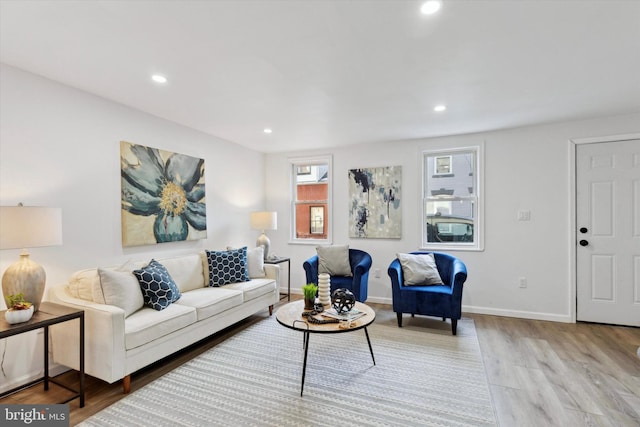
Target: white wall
[(59, 147), (525, 169)]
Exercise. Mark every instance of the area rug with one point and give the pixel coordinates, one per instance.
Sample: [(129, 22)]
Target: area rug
[(422, 377)]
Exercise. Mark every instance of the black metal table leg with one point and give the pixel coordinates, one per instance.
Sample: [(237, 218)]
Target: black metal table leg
[(369, 342), (304, 364), (46, 357), (81, 320)]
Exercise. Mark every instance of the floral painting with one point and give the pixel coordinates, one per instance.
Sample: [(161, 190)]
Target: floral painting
[(374, 202), (163, 196)]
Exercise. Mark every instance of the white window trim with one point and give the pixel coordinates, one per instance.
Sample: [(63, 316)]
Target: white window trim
[(477, 245), (294, 162)]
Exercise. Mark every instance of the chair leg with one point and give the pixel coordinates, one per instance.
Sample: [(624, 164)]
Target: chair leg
[(454, 326), (444, 319), (399, 315), (413, 315)]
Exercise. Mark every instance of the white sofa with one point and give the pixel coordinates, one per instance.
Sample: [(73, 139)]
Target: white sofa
[(117, 345)]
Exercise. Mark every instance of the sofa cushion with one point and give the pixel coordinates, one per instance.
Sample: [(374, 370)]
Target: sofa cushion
[(85, 284), (254, 288), (121, 288), (255, 262), (158, 288), (210, 301), (186, 271), (334, 260), (227, 266), (419, 269), (146, 325)]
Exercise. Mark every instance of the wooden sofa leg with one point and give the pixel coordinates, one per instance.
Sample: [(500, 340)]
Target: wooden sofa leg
[(270, 309), (126, 384), (399, 315), (454, 326)]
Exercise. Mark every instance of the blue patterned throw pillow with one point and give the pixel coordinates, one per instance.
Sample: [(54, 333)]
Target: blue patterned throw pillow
[(158, 288), (227, 266)]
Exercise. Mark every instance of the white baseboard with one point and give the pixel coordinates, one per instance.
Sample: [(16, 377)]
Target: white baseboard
[(533, 315)]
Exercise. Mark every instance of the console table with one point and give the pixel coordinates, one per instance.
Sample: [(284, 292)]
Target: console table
[(278, 261), (48, 314)]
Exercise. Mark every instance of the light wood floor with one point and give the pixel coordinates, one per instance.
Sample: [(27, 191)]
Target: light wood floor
[(540, 373)]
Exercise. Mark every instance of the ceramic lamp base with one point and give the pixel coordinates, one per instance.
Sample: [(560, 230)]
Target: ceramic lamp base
[(25, 277), (264, 241)]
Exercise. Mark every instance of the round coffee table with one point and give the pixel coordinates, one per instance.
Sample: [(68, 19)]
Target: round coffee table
[(290, 315)]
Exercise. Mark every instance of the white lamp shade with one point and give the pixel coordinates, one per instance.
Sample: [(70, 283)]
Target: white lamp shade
[(264, 220), (30, 227)]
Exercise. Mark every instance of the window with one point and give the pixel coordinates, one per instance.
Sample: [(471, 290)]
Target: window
[(317, 219), (443, 165), (310, 196), (451, 202)]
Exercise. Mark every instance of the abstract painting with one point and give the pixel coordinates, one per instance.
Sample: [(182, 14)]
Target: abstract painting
[(375, 210), (162, 196)]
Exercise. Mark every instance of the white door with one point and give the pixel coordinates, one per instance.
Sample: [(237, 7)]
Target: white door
[(608, 235)]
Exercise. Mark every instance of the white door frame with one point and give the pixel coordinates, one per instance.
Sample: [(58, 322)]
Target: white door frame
[(573, 143)]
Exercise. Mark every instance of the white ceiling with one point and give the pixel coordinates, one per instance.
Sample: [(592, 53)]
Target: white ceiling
[(326, 73)]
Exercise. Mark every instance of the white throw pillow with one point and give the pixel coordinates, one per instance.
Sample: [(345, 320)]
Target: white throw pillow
[(255, 262), (121, 288), (334, 260), (419, 269), (255, 259)]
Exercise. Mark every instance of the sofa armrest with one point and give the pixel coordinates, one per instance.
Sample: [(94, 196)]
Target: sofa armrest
[(362, 266), (458, 277), (272, 271), (311, 269), (104, 337)]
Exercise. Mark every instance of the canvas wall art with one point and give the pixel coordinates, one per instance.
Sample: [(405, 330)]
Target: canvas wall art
[(162, 196), (375, 210)]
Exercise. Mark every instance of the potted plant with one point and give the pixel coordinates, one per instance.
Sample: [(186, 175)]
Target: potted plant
[(309, 290), (18, 310)]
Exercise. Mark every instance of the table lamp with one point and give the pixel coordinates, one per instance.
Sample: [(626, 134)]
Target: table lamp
[(264, 221), (24, 227)]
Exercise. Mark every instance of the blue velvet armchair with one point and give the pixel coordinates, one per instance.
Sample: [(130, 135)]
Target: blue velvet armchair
[(435, 300), (360, 262)]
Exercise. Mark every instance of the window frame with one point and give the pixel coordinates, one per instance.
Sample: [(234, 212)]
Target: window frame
[(477, 198), (294, 165)]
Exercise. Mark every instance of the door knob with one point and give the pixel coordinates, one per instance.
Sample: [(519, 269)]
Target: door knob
[(583, 242), (583, 230)]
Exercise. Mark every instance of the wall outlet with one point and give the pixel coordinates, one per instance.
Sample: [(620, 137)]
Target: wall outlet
[(523, 282), (376, 273), (524, 215)]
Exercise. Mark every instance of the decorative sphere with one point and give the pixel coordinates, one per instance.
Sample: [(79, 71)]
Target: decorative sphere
[(343, 300)]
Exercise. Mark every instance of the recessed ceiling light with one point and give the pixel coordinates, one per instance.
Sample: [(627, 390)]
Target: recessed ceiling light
[(158, 78), (439, 108), (430, 7), (267, 130)]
